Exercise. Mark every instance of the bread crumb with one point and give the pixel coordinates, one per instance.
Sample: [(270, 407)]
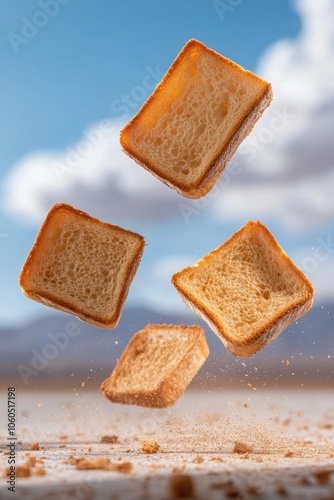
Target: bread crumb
[(217, 459), (93, 463), (281, 491), (240, 447), (198, 460), (113, 439), (31, 461), (34, 447), (40, 471), (102, 463), (323, 476), (149, 447), (246, 405), (123, 467), (289, 454), (181, 486), (63, 437), (23, 470)]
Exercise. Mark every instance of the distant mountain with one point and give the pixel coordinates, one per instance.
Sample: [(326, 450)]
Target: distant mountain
[(60, 349)]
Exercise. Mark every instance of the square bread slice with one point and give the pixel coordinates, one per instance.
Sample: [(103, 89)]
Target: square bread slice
[(248, 290), (81, 265), (189, 128), (157, 365)]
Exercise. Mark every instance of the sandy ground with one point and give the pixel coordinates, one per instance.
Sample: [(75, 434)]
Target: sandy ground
[(213, 445)]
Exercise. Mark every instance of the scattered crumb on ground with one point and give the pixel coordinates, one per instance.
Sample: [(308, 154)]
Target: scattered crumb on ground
[(323, 476), (92, 463), (181, 486), (110, 439), (102, 463), (22, 470), (34, 447), (198, 460), (149, 447), (240, 447)]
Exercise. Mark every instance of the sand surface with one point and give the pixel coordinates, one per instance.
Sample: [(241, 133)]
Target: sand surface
[(221, 444)]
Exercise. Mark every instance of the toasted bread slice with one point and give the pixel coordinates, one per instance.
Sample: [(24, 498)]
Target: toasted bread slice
[(81, 265), (248, 290), (189, 128), (157, 365)]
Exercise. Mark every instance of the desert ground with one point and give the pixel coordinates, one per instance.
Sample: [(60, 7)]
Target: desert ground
[(253, 443)]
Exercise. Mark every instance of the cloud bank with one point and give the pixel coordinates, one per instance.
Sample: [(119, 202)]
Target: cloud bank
[(286, 164)]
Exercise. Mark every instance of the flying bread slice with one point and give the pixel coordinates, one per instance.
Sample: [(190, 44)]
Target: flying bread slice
[(248, 290), (157, 365), (189, 128), (81, 265)]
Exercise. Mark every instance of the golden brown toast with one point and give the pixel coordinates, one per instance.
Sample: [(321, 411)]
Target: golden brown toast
[(189, 128), (81, 265), (157, 365), (248, 289)]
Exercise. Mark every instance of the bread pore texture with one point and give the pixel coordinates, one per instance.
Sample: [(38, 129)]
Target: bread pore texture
[(157, 365), (189, 128), (248, 290), (81, 265)]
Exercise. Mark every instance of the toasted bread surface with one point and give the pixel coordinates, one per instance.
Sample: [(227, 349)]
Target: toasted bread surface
[(157, 365), (189, 128), (81, 265), (247, 289)]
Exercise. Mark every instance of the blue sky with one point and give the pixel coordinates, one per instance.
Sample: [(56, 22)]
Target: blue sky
[(73, 73)]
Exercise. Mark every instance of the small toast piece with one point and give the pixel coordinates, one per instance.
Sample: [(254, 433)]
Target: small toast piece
[(157, 365), (188, 129), (248, 290), (81, 265)]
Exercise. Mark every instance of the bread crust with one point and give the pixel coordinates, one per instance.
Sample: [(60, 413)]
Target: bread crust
[(65, 305), (278, 322), (177, 379), (217, 165)]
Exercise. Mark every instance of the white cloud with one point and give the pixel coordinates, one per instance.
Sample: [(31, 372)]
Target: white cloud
[(287, 162), (93, 175), (157, 291)]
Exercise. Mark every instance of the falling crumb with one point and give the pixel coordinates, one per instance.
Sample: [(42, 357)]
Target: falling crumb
[(39, 405), (240, 447), (149, 447), (113, 439), (82, 384), (34, 447), (287, 362), (198, 460), (181, 486), (246, 405)]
